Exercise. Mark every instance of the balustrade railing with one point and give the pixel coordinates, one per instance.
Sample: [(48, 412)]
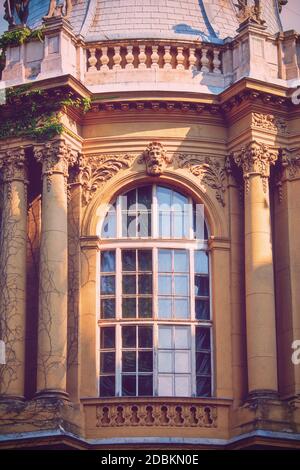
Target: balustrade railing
[(195, 57)]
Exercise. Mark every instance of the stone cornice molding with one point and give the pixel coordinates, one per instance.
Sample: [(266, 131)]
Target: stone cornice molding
[(13, 166), (56, 158), (256, 158)]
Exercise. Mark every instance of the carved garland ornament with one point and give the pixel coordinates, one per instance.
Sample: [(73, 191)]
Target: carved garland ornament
[(269, 122), (145, 414), (209, 170), (13, 167), (96, 169), (256, 158)]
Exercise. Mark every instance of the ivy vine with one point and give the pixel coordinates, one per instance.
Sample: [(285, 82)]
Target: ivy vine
[(16, 37), (35, 113)]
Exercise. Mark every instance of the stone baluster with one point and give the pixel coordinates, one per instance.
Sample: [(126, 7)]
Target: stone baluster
[(13, 246), (167, 58), (255, 160), (117, 58), (180, 59), (142, 58), (154, 58), (55, 157), (129, 58), (192, 59), (92, 60), (216, 62), (104, 60), (204, 60)]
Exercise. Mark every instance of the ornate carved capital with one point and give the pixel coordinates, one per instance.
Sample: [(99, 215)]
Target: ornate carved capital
[(155, 158), (13, 166), (288, 169), (94, 170), (256, 159), (210, 171), (55, 157), (269, 122)]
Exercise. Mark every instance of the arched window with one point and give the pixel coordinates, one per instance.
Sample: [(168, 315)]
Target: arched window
[(154, 309)]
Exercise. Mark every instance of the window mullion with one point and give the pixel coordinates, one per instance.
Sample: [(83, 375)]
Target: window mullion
[(155, 282), (119, 218), (154, 215), (118, 360), (193, 360), (192, 290), (155, 359)]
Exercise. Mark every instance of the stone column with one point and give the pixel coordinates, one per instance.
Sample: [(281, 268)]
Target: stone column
[(55, 158), (255, 160), (13, 241)]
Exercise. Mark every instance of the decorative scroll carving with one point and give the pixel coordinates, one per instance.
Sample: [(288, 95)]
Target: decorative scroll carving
[(155, 158), (249, 13), (20, 7), (269, 122), (156, 414), (56, 157), (209, 170), (55, 9), (256, 158), (12, 167), (94, 170)]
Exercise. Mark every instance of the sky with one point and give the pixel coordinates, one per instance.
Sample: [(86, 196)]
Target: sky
[(290, 16)]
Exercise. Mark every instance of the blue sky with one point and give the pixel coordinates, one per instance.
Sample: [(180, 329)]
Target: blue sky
[(290, 16)]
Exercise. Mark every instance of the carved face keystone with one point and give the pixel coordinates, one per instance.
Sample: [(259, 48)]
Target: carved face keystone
[(155, 159)]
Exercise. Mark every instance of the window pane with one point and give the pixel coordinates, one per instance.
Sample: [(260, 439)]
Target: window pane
[(182, 337), (164, 308), (165, 337), (203, 386), (128, 361), (107, 362), (181, 262), (128, 260), (129, 284), (145, 260), (202, 339), (179, 201), (145, 385), (107, 285), (130, 225), (178, 225), (201, 285), (108, 261), (145, 307), (182, 362), (165, 261), (165, 386), (128, 200), (109, 226), (164, 285), (144, 224), (145, 284), (129, 336), (107, 337), (165, 224), (129, 307), (181, 285), (181, 308), (164, 196), (201, 262), (145, 336), (202, 309), (165, 361), (129, 385), (145, 361), (182, 385), (203, 363), (145, 197), (108, 308), (107, 386)]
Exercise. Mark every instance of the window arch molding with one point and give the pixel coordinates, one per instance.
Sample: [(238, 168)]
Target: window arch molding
[(125, 181)]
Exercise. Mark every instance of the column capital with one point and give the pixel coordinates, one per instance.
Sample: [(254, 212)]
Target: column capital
[(55, 157), (256, 158), (12, 164)]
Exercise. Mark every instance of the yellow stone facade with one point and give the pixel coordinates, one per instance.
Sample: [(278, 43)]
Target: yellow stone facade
[(238, 153)]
